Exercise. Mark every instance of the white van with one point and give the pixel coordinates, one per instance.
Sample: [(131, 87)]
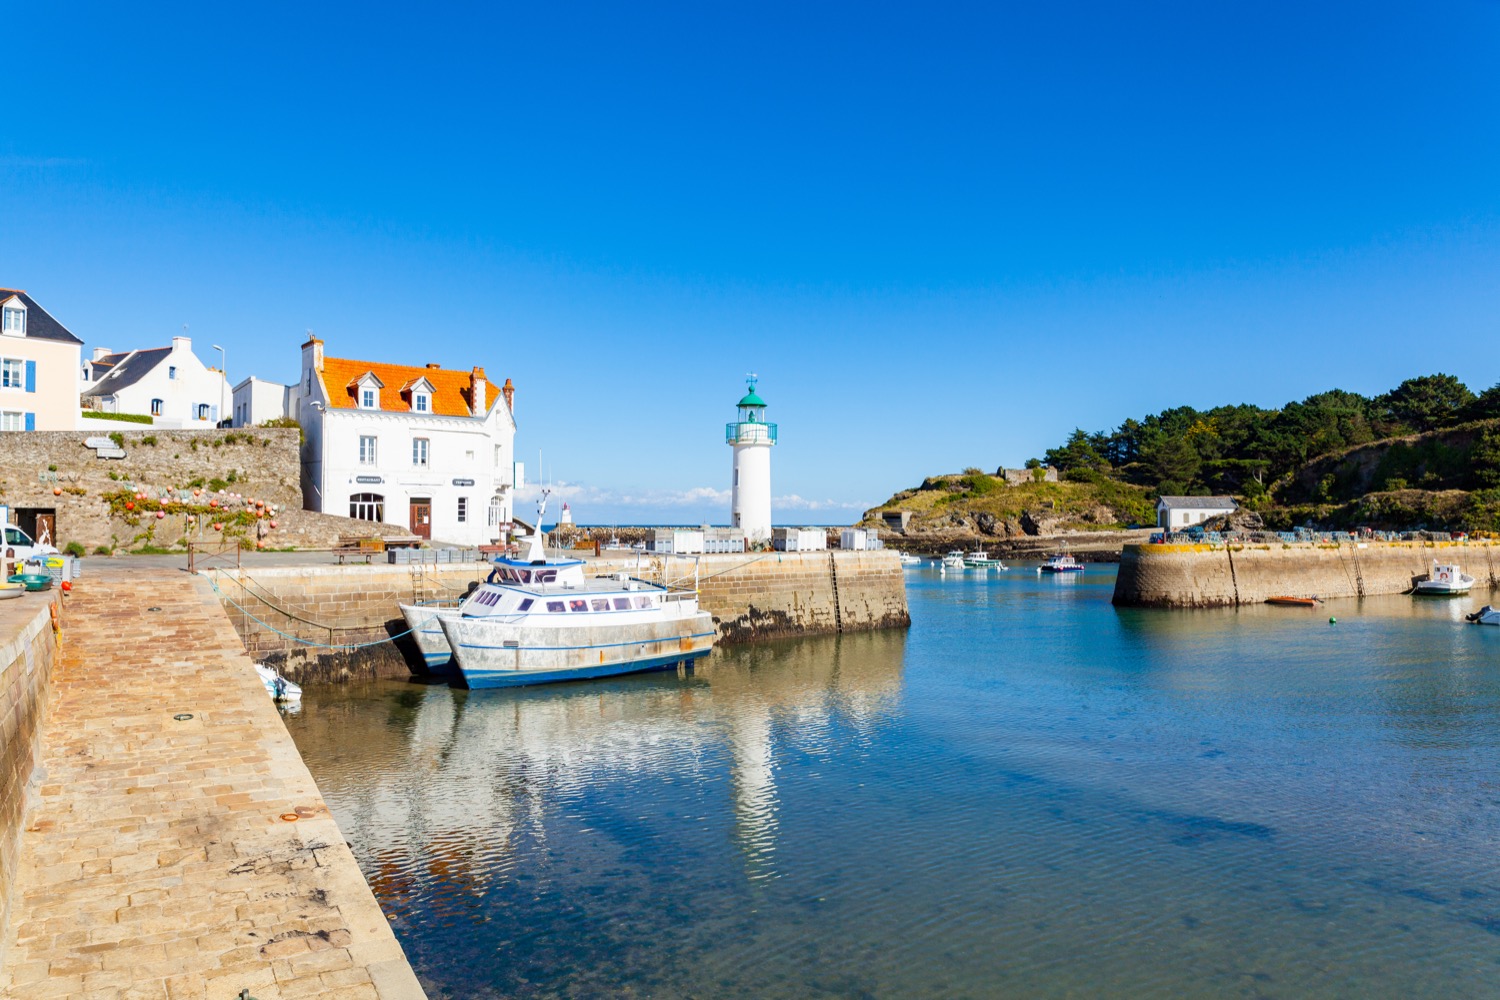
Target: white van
[(19, 547)]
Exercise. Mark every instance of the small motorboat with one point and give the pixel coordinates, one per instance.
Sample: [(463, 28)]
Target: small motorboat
[(278, 687), (908, 559), (1445, 581), (1063, 563), (980, 559), (1484, 616), (1294, 602), (953, 560)]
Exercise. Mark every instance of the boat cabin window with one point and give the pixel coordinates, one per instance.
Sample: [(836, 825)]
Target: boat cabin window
[(525, 605), (544, 576), (578, 605), (643, 602), (495, 576), (622, 604), (556, 606), (601, 604)]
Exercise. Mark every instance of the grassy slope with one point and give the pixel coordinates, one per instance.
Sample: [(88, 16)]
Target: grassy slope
[(945, 501)]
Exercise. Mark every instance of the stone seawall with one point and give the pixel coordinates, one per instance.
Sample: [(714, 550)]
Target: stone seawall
[(28, 652), (334, 623), (1203, 576)]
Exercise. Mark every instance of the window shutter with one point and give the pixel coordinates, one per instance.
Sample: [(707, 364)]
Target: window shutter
[(30, 417), (30, 378)]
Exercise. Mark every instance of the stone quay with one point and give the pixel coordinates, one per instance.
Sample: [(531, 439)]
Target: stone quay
[(160, 836)]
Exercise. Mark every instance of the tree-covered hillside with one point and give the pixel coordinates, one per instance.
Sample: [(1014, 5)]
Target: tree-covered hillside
[(1244, 449)]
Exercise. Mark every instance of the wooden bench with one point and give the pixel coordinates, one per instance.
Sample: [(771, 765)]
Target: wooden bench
[(356, 548)]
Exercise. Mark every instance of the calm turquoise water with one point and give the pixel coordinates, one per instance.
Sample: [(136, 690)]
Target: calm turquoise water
[(1030, 794)]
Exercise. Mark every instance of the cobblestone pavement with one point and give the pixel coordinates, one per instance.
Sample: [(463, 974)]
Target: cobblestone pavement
[(171, 857)]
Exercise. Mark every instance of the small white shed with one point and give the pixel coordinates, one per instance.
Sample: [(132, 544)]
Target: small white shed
[(1177, 513), (799, 539), (859, 539), (676, 541)]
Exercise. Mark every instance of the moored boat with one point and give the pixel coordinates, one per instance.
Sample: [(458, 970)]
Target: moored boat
[(953, 560), (980, 559), (1446, 580), (538, 620), (422, 622), (1061, 563), (908, 559), (1293, 602), (278, 687), (1484, 616)]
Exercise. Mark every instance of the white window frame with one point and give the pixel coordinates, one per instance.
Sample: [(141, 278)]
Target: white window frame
[(421, 402), (369, 397), (204, 411), (358, 507), (156, 407), (421, 453), (171, 373), (19, 370), (12, 420), (369, 449), (18, 314)]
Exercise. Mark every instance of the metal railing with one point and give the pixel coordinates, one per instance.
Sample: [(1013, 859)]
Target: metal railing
[(201, 557), (749, 432)]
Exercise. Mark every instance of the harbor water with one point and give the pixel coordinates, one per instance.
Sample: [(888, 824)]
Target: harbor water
[(1031, 793)]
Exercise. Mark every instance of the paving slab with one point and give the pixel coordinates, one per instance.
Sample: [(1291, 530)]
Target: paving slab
[(180, 848)]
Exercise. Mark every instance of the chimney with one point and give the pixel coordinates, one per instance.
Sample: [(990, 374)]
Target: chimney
[(312, 355), (478, 392), (100, 353), (431, 365), (182, 343), (509, 392)]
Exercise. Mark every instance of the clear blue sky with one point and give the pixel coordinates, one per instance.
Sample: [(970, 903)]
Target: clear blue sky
[(944, 235)]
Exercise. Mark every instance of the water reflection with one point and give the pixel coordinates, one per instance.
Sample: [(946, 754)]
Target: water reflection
[(1032, 794)]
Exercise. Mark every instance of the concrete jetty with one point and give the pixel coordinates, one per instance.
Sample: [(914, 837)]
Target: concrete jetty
[(174, 843), (1225, 575)]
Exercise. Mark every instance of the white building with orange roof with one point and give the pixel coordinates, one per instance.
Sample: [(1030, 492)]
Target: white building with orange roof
[(425, 447)]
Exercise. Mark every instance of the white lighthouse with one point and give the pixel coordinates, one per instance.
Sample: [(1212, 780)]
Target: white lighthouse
[(752, 439)]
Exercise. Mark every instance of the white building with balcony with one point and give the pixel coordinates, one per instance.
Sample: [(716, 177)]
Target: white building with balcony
[(427, 448)]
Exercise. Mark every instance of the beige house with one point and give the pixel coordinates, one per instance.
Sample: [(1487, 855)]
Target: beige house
[(39, 365)]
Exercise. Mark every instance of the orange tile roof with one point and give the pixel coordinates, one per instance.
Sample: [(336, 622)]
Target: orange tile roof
[(452, 391)]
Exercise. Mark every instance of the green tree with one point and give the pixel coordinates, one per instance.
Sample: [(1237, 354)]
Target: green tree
[(1426, 402), (1485, 458), (1079, 453), (1175, 462)]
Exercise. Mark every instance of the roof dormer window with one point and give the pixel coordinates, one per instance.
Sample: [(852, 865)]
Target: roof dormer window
[(420, 402), (419, 391), (14, 321), (367, 397), (366, 390)]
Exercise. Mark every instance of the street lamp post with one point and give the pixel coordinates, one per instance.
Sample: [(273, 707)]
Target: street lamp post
[(223, 381)]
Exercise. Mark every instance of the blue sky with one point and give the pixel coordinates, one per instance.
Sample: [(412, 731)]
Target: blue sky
[(943, 237)]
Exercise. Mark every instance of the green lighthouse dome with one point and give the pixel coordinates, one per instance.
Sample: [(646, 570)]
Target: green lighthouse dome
[(751, 399)]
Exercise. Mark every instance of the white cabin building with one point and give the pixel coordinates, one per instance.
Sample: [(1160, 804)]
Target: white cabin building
[(423, 447), (1177, 513), (255, 401), (169, 384)]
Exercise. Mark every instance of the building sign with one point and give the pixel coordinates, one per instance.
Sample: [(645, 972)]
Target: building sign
[(369, 479), (463, 482)]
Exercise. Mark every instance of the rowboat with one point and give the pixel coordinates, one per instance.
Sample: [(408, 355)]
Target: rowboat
[(1294, 602)]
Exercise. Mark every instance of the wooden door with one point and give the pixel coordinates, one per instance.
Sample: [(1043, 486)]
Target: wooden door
[(421, 519), (46, 530)]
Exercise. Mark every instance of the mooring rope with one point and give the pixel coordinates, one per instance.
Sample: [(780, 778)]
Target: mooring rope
[(308, 642)]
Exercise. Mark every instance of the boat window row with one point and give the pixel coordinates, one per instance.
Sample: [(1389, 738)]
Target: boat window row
[(599, 604), (489, 598)]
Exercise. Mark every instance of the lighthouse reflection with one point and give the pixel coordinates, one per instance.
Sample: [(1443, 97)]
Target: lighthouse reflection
[(448, 794)]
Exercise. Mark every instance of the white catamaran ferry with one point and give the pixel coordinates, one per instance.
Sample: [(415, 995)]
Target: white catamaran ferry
[(538, 620)]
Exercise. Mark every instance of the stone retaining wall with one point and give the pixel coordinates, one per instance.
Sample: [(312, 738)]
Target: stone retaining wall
[(333, 623), (28, 650), (1202, 576)]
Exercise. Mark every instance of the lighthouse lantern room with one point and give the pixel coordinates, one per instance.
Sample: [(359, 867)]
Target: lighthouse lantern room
[(752, 439)]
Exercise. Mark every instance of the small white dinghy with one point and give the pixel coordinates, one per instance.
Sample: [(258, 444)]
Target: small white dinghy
[(1484, 616), (278, 687), (1445, 580)]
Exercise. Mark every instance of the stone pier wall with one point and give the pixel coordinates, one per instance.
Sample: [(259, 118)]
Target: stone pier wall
[(1202, 576), (28, 651), (333, 623)]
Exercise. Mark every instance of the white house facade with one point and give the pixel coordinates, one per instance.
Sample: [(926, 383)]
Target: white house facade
[(1176, 513), (169, 384), (255, 401), (427, 448), (38, 356)]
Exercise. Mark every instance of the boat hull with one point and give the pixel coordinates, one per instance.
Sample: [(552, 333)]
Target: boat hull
[(1443, 589), (1062, 569), (421, 619), (490, 654)]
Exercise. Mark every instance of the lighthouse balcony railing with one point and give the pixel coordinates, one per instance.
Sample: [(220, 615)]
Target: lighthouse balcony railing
[(749, 432)]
